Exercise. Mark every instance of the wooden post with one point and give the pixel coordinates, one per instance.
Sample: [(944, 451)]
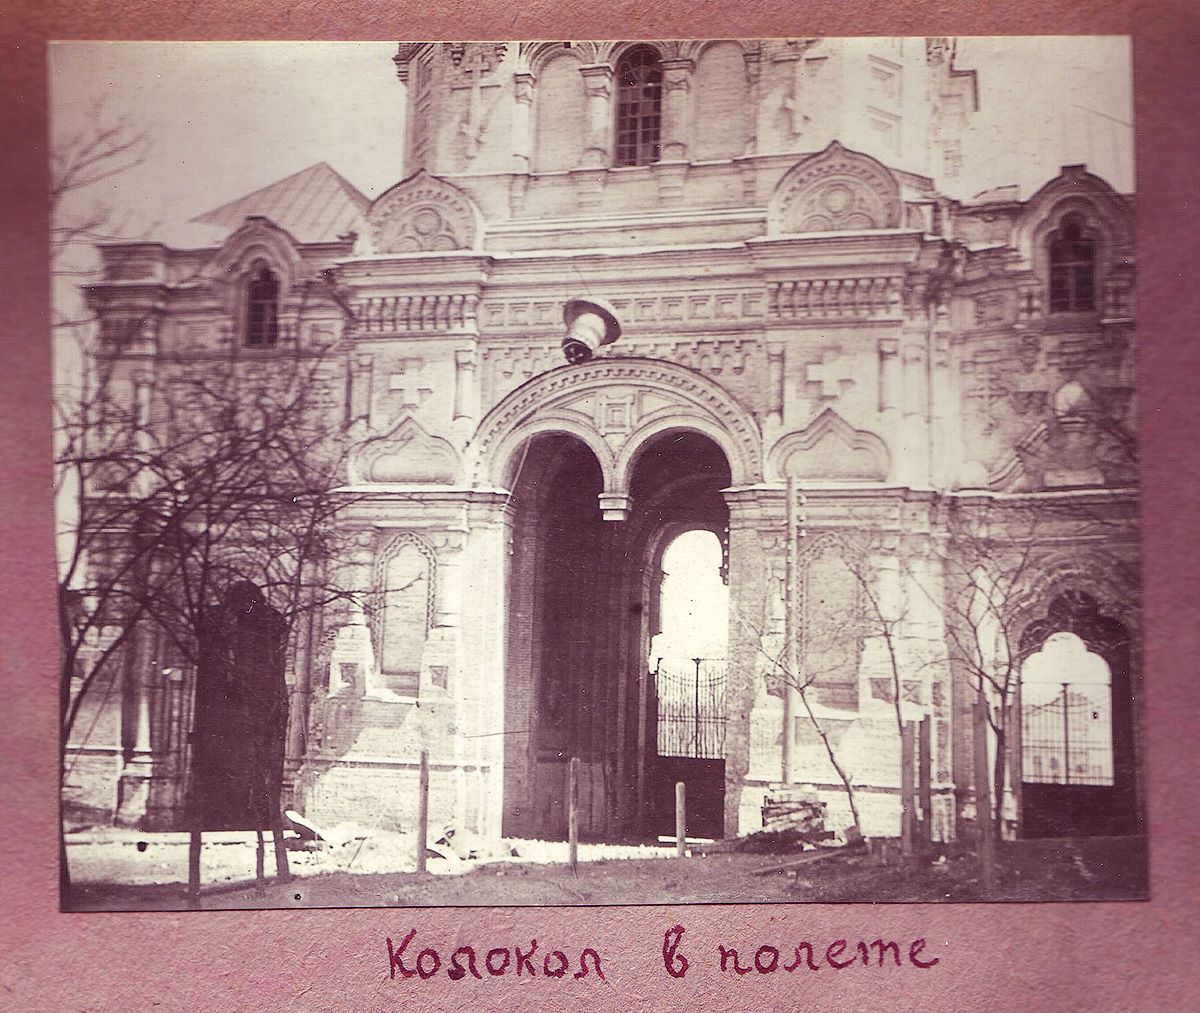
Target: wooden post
[(282, 872), (925, 783), (680, 819), (1016, 753), (907, 791), (573, 812), (193, 895), (423, 811), (983, 799), (260, 878)]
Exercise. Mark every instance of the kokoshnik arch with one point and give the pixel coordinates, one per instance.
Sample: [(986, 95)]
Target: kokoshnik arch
[(825, 357)]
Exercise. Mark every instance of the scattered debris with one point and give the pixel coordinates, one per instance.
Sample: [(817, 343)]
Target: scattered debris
[(791, 808), (816, 855)]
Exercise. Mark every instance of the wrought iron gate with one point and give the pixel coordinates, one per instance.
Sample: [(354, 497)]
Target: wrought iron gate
[(1066, 734), (691, 707)]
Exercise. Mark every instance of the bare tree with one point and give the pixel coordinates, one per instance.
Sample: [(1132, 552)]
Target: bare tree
[(792, 668), (187, 481)]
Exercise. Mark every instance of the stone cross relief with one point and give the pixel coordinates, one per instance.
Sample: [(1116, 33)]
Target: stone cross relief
[(833, 370), (476, 68), (406, 387)]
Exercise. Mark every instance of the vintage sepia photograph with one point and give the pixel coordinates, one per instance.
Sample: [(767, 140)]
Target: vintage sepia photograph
[(596, 472)]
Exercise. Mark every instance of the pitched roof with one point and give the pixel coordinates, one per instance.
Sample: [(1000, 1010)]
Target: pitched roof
[(316, 205)]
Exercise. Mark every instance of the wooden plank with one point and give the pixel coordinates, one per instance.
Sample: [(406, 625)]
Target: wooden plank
[(907, 789), (423, 810), (573, 812), (925, 783), (680, 819), (809, 857)]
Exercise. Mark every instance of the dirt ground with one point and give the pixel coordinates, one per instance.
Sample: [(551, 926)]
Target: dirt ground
[(114, 874)]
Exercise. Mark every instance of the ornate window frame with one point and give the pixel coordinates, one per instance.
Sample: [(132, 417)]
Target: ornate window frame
[(638, 106)]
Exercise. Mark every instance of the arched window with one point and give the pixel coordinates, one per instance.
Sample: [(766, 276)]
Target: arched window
[(262, 309), (1072, 268), (639, 106)]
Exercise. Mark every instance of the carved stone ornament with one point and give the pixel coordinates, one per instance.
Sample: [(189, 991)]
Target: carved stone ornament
[(615, 405), (1068, 451), (408, 454), (834, 190), (830, 449), (422, 214)]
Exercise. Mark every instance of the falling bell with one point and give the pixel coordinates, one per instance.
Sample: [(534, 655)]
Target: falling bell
[(590, 324)]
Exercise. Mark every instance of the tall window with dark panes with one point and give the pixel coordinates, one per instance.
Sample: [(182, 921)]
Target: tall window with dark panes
[(262, 309), (639, 106), (1072, 268)]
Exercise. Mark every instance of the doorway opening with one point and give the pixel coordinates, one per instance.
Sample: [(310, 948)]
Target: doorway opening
[(687, 662), (1076, 744), (585, 605)]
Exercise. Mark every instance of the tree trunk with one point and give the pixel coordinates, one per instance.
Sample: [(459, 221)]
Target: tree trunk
[(829, 751), (1000, 778)]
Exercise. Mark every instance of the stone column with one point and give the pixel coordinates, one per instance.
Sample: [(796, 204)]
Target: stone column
[(889, 403), (466, 384), (522, 122), (946, 450), (133, 788), (483, 676), (757, 544), (677, 109), (916, 410), (753, 61), (360, 387), (775, 391), (598, 85)]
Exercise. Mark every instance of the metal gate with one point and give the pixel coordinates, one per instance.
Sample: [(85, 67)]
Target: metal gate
[(691, 707), (689, 720), (1066, 734)]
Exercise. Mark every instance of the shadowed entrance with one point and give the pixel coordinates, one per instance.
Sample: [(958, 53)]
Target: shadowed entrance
[(584, 603)]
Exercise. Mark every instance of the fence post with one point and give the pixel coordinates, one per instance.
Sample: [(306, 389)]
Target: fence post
[(573, 812), (907, 792), (1066, 705), (983, 799), (260, 879), (680, 819), (423, 811), (193, 895), (925, 783)]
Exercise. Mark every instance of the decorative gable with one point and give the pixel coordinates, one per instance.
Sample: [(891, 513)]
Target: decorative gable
[(424, 214), (408, 454), (834, 190), (831, 450)]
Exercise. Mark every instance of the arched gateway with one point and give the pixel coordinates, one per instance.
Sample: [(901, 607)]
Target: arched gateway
[(608, 463)]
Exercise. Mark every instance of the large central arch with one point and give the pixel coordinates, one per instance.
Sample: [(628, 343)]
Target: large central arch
[(646, 443)]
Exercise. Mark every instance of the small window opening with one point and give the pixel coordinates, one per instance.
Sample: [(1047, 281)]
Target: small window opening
[(262, 309), (1072, 268), (639, 106)]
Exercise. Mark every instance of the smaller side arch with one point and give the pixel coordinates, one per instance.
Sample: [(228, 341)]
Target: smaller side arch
[(504, 460), (637, 442)]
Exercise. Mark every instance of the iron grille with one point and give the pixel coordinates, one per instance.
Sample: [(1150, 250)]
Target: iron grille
[(691, 707), (1066, 734)]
